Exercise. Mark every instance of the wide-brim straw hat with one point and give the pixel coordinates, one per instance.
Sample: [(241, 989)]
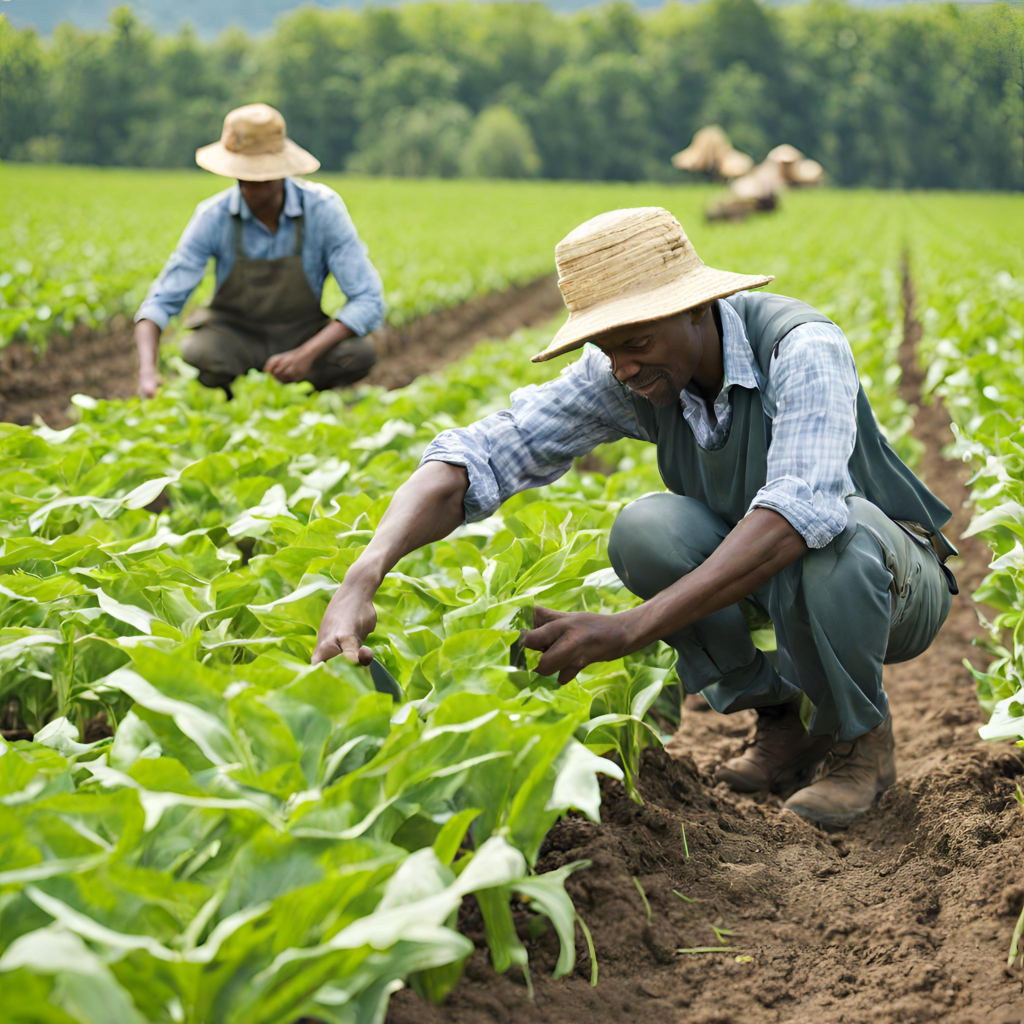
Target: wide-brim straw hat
[(631, 267), (734, 164), (705, 151), (254, 146)]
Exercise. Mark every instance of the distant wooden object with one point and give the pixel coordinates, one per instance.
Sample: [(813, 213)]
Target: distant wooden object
[(711, 152), (732, 208), (807, 173)]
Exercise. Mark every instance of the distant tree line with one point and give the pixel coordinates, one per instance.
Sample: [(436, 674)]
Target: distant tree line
[(914, 96)]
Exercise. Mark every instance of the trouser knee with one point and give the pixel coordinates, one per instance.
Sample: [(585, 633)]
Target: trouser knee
[(206, 351), (659, 538), (347, 363)]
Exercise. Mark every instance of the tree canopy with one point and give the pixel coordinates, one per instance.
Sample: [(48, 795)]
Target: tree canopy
[(913, 96)]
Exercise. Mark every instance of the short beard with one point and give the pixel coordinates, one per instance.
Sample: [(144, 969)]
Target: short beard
[(659, 396)]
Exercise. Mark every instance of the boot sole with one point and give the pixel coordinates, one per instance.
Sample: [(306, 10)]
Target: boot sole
[(794, 778), (830, 822)]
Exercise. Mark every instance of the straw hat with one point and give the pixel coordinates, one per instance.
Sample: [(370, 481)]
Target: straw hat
[(734, 164), (785, 154), (631, 267), (254, 147), (705, 152), (807, 172)]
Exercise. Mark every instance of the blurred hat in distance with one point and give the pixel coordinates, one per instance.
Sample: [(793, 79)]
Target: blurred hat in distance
[(734, 163), (785, 154), (254, 146), (630, 267)]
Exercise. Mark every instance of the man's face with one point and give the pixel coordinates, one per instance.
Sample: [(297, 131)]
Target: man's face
[(261, 195), (656, 359)]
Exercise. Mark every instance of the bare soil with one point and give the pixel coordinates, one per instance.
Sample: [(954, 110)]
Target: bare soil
[(903, 919), (103, 363)]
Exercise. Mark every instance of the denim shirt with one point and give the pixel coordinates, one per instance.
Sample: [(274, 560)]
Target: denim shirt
[(811, 398), (330, 245)]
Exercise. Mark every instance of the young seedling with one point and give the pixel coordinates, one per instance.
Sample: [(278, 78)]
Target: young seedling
[(643, 896)]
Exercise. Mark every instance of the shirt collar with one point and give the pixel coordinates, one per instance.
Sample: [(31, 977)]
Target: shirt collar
[(292, 201), (738, 360)]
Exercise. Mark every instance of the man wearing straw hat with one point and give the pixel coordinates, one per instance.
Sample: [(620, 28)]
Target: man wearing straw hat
[(784, 503), (275, 238)]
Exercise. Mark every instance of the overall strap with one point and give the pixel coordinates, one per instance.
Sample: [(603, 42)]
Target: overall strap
[(239, 251), (300, 230)]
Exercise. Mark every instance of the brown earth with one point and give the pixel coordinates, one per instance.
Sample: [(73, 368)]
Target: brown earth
[(903, 919), (103, 363)]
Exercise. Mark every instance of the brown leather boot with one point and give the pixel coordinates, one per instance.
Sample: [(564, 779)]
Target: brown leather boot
[(781, 753), (850, 780)]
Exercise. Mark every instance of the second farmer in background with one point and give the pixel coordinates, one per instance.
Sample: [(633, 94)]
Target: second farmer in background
[(275, 238)]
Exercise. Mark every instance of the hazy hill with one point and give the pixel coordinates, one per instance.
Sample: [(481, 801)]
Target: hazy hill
[(208, 17)]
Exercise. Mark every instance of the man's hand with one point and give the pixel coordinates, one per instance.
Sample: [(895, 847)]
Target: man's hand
[(573, 640), (289, 367), (350, 618), (149, 383)]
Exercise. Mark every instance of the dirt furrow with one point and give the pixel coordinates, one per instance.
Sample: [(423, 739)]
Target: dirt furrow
[(904, 918), (103, 363)]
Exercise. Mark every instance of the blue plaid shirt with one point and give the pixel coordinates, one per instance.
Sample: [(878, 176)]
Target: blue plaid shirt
[(810, 397), (330, 245)]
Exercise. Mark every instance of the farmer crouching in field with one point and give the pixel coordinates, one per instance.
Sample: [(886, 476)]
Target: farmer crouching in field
[(784, 502), (275, 238)]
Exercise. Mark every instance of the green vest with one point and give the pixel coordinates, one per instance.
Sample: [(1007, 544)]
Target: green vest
[(727, 478)]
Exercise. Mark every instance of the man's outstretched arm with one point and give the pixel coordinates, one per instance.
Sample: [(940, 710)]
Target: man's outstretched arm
[(467, 473), (426, 508)]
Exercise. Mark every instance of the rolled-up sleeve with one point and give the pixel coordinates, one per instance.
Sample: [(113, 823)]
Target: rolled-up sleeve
[(812, 386), (183, 271), (348, 261), (534, 442)]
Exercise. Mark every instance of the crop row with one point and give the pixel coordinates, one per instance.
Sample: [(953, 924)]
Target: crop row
[(971, 286), (260, 838), (81, 245)]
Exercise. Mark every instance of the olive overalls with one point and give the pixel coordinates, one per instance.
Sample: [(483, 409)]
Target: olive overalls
[(264, 307), (877, 593)]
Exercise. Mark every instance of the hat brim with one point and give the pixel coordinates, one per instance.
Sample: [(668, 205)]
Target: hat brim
[(639, 307), (291, 160)]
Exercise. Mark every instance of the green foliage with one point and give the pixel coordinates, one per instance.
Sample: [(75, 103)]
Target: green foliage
[(262, 839), (923, 95), (500, 146), (426, 140), (82, 245), (971, 290)]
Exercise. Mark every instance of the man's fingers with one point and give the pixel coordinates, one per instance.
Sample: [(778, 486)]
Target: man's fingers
[(353, 648), (541, 638), (557, 657), (350, 646), (325, 650), (542, 616), (569, 673)]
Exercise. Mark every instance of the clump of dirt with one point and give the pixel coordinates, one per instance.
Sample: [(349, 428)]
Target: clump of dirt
[(103, 363), (905, 918)]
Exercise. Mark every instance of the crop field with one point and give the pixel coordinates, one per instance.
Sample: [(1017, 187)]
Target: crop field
[(83, 244), (198, 826)]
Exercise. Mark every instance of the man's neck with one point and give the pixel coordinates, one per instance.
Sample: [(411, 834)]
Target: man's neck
[(710, 373), (270, 215)]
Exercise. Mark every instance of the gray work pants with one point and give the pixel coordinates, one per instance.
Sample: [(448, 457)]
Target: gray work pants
[(221, 352), (874, 595)]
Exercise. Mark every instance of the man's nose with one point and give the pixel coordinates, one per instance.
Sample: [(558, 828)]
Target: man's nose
[(624, 368)]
